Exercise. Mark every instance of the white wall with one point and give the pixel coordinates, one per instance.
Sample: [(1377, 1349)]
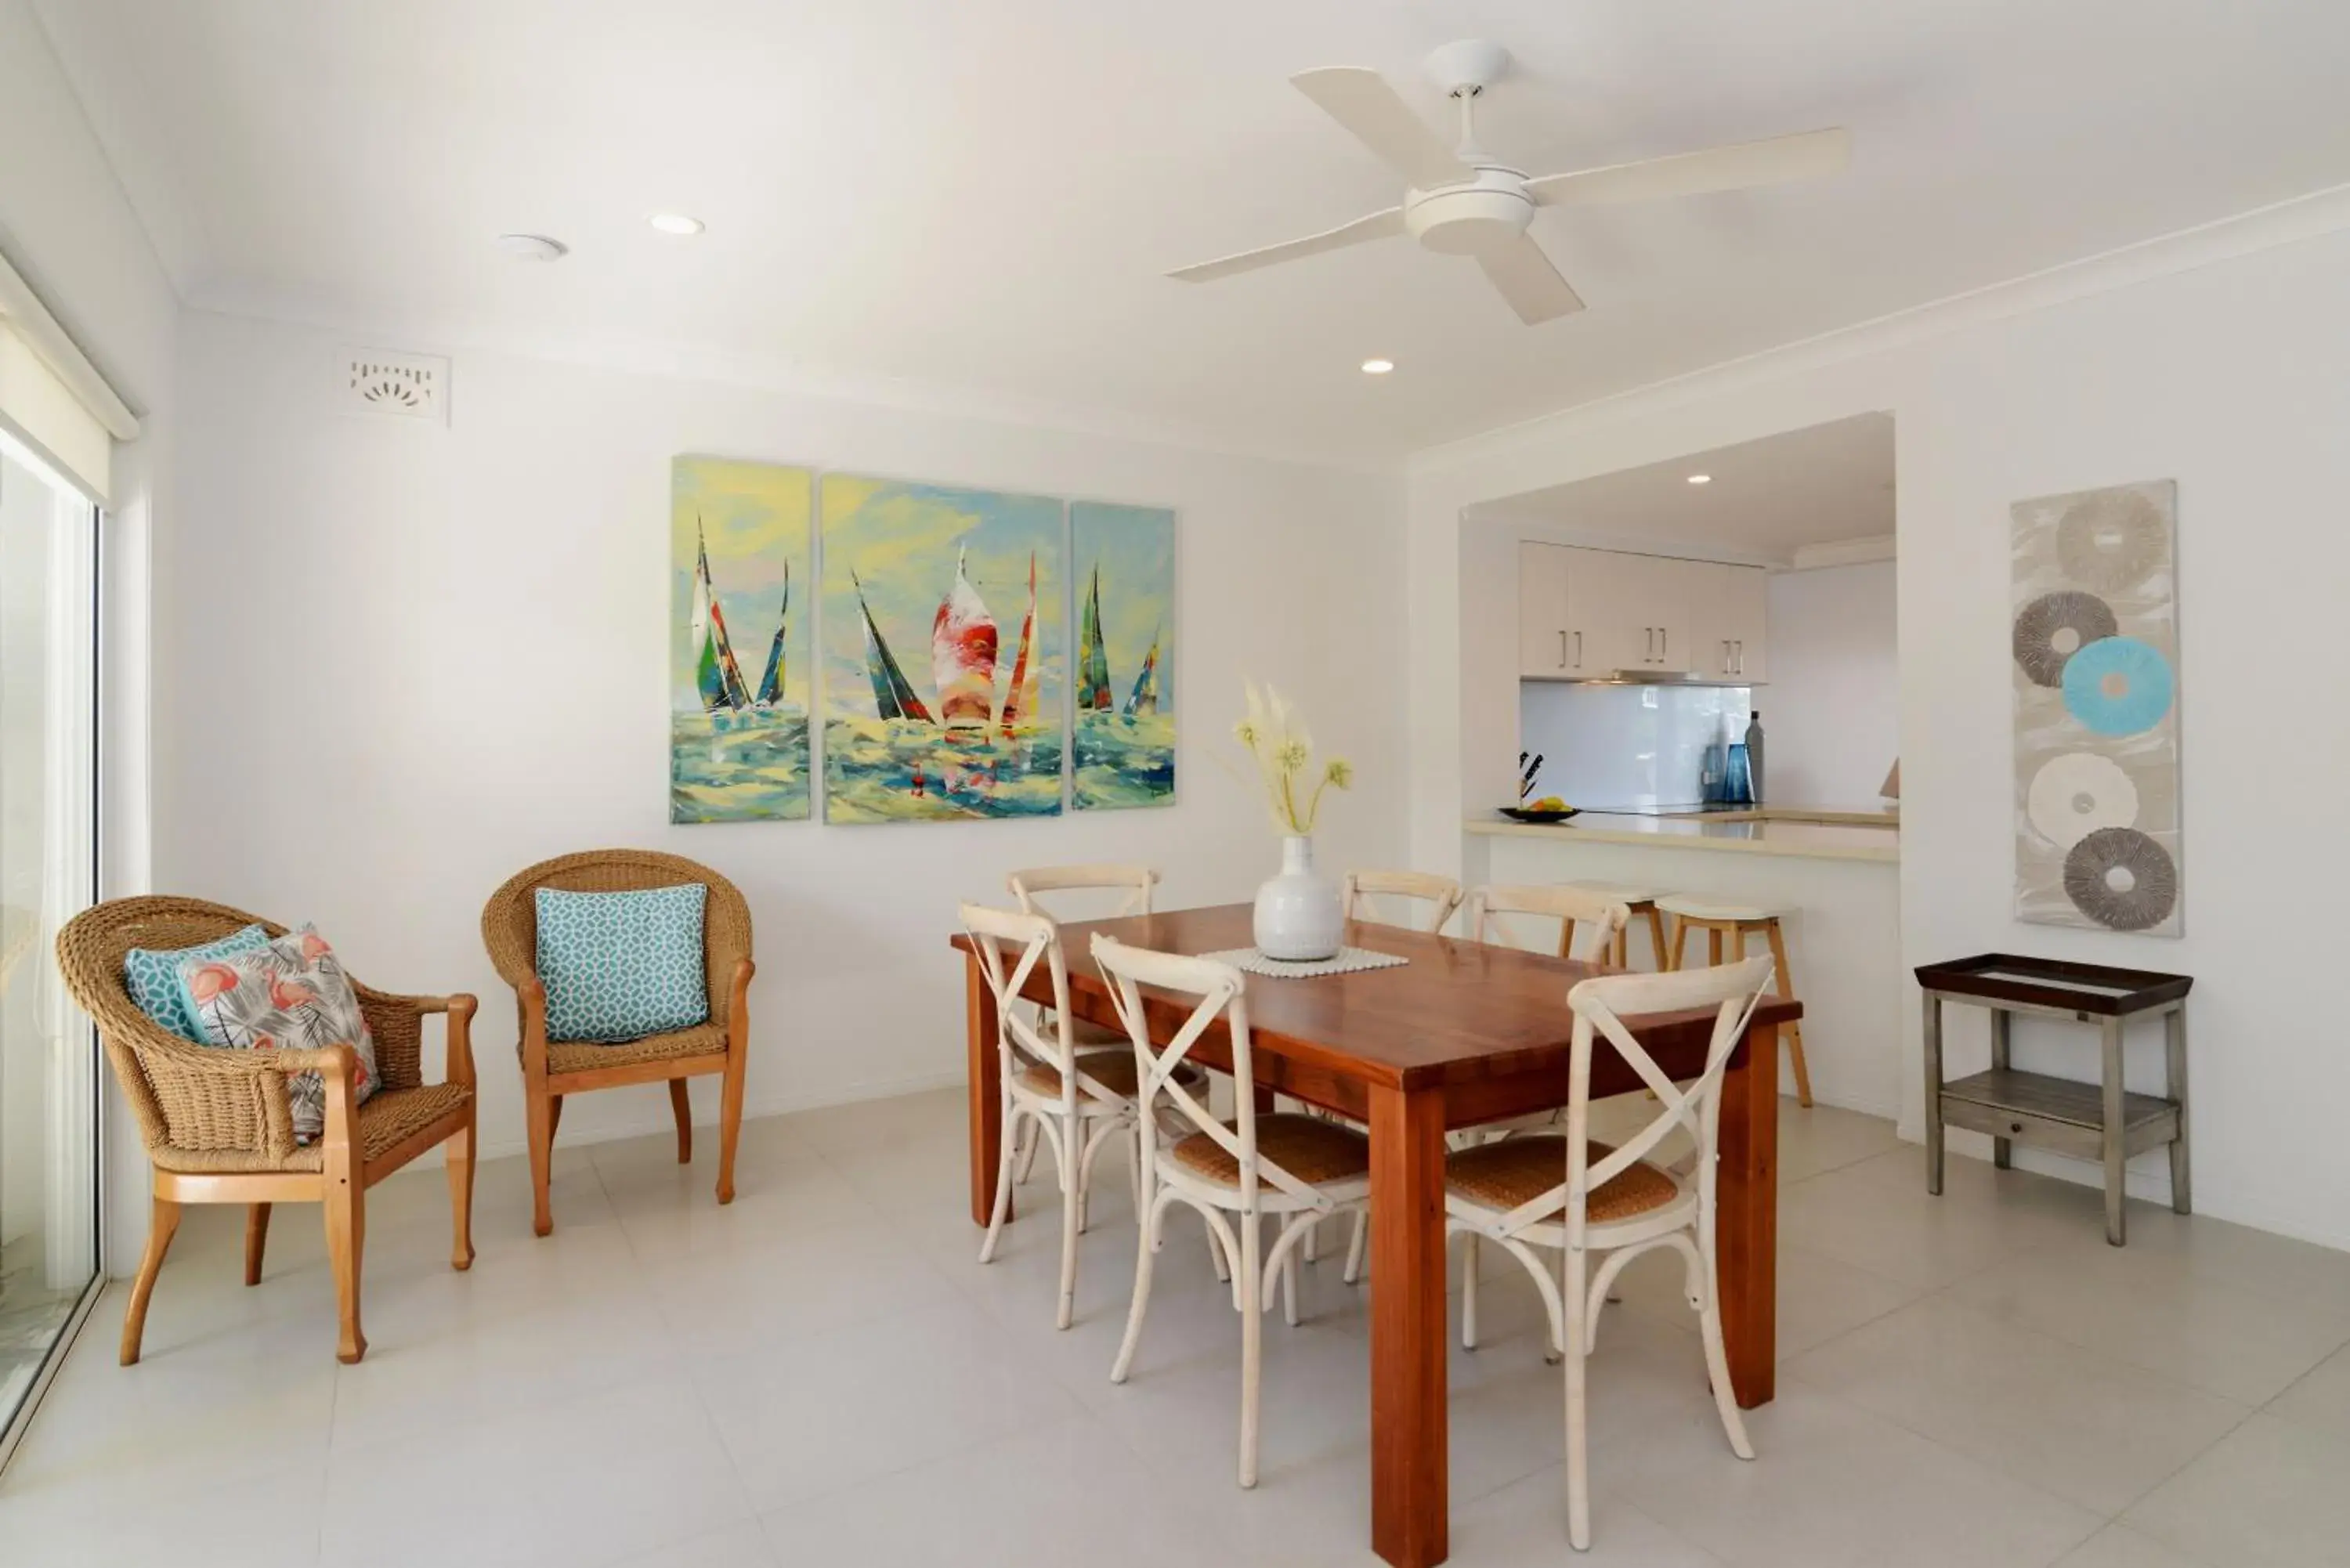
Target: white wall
[(1832, 708), (415, 659), (69, 230), (2220, 358)]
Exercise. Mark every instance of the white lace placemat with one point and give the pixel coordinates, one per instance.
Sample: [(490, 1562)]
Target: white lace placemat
[(1348, 962)]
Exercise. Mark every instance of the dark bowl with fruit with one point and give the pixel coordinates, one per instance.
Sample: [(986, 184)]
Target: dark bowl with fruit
[(1549, 808)]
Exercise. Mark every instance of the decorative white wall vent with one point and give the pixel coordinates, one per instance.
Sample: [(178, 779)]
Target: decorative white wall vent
[(405, 386)]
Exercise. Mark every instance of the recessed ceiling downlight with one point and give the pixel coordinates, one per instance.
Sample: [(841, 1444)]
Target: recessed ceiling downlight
[(675, 223), (533, 247), (1378, 367), (1701, 478)]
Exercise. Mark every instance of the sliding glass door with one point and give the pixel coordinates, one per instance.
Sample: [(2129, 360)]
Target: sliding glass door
[(48, 1063)]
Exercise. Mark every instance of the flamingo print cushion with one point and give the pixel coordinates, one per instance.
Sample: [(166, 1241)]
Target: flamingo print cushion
[(290, 995)]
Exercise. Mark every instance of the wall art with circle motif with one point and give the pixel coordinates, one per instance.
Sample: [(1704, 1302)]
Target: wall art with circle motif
[(2095, 648)]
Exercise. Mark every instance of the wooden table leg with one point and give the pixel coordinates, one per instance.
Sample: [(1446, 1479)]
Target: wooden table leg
[(1409, 1497), (1746, 1226), (986, 1092)]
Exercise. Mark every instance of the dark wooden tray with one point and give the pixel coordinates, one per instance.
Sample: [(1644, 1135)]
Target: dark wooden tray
[(2055, 983)]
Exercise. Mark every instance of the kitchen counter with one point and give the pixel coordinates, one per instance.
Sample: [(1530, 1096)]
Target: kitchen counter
[(1739, 833), (1837, 888), (1834, 815)]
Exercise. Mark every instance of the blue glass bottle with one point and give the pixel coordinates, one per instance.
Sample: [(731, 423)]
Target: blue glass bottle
[(1738, 778)]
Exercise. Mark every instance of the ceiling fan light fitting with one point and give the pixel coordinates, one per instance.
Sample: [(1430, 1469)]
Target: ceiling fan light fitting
[(1470, 219)]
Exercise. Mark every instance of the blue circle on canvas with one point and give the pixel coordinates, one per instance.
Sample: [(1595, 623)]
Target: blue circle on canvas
[(2117, 686)]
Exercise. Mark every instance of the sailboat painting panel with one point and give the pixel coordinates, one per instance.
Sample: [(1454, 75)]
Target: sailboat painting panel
[(740, 603), (1124, 739), (942, 652)]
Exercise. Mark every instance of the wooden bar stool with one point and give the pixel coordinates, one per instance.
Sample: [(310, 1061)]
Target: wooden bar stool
[(1642, 903), (1718, 921)]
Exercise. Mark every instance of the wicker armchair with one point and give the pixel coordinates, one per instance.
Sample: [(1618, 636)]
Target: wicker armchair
[(218, 1124), (551, 1070)]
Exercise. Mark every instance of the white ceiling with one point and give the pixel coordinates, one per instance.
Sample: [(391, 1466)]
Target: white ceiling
[(1821, 485), (982, 196)]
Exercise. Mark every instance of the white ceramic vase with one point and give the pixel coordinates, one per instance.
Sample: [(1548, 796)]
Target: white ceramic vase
[(1297, 914)]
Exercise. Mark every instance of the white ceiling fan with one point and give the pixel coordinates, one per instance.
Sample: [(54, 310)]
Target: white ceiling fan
[(1461, 201)]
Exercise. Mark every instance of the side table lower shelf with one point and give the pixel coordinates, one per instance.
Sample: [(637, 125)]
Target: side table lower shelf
[(2058, 1114)]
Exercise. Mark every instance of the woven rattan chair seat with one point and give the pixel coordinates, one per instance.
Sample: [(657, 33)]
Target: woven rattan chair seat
[(1516, 1170), (1310, 1150), (1087, 1035), (587, 1056), (388, 1120)]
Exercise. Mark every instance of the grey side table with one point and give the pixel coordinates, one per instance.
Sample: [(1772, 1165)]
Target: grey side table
[(2100, 1121)]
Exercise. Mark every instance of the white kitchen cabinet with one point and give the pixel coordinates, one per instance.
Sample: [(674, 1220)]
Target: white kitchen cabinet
[(1543, 641), (1586, 613), (1730, 623)]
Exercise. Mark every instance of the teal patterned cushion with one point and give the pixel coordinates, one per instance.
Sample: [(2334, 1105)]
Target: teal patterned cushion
[(151, 975), (620, 965)]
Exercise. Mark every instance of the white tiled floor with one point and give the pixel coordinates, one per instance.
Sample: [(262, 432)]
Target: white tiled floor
[(821, 1375)]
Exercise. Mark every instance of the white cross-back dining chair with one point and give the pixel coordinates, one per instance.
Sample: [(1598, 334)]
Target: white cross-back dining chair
[(1369, 894), (1581, 1200), (1127, 890), (1075, 1103), (1106, 890), (1499, 913), (1588, 922), (1291, 1170)]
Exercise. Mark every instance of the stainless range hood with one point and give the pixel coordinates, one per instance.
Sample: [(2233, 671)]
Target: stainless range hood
[(1636, 678)]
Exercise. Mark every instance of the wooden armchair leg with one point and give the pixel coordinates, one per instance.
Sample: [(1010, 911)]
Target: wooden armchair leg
[(160, 1227), (257, 1240), (458, 1153), (345, 1250), (554, 1116), (730, 1123), (541, 1109), (681, 1108)]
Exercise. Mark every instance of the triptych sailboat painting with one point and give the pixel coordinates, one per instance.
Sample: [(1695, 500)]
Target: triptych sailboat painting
[(942, 652), (738, 550), (1124, 743)]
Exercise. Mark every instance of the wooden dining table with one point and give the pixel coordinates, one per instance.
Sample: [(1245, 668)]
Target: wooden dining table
[(1461, 1034)]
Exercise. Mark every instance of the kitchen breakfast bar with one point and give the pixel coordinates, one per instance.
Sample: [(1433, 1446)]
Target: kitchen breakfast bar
[(1832, 874)]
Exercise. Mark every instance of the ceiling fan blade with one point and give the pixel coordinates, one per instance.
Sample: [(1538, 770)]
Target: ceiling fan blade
[(1378, 226), (1782, 157), (1526, 278), (1361, 100)]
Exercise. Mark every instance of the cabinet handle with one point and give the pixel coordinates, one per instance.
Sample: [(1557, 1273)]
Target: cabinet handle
[(1648, 647), (1562, 648), (1726, 668), (1664, 643), (1578, 651), (1741, 657)]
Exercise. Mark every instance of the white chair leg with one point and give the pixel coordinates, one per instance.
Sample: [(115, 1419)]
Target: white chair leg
[(1313, 1242), (1578, 1455), (1137, 1151), (1012, 1123), (1028, 1154), (1252, 1343), (1289, 1284), (1146, 1248), (1216, 1258), (1716, 1358), (1073, 1218), (1469, 1294), (1093, 1143), (1355, 1246)]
